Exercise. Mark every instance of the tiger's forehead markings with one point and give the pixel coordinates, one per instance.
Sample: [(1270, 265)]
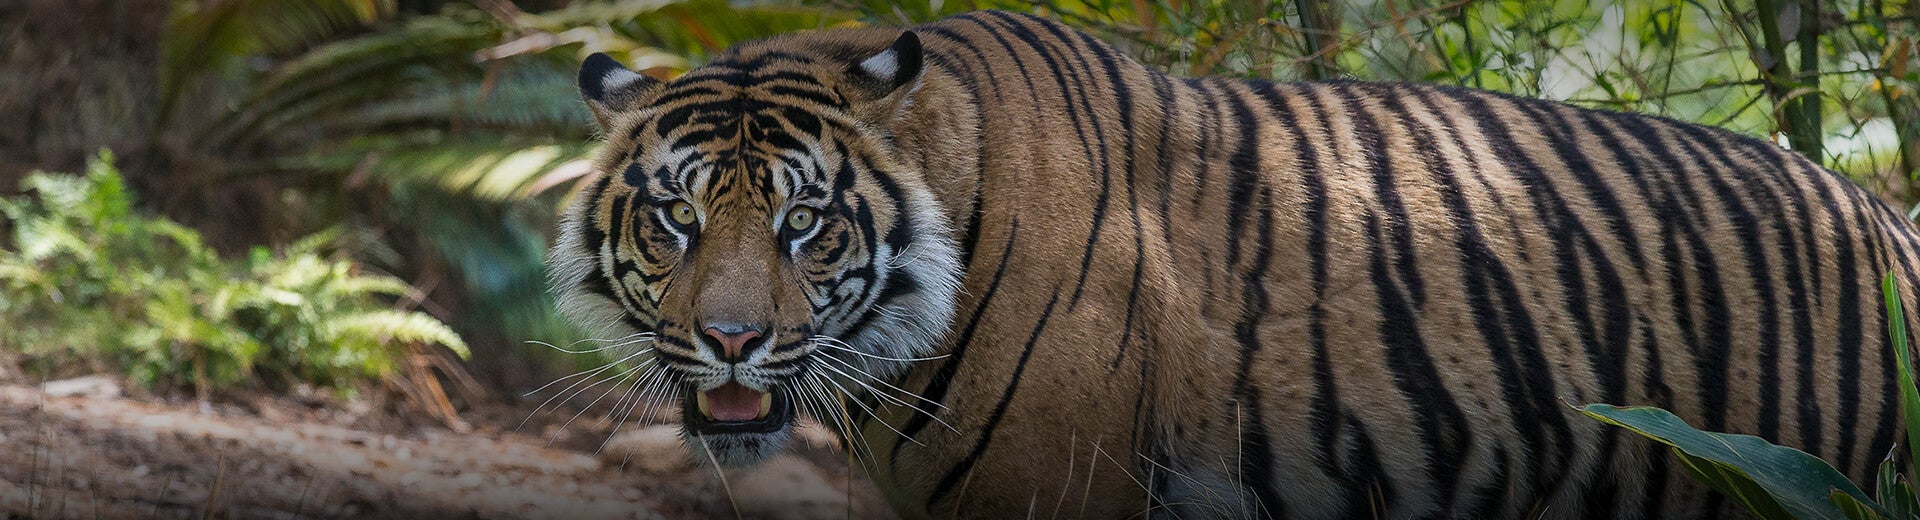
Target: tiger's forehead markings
[(747, 125), (772, 88), (759, 176)]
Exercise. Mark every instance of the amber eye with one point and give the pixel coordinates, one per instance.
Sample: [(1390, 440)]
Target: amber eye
[(682, 212), (800, 219)]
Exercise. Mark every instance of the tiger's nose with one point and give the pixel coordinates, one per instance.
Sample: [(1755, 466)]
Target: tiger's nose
[(732, 340)]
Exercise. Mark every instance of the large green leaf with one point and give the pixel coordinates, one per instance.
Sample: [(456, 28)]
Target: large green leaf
[(1770, 481)]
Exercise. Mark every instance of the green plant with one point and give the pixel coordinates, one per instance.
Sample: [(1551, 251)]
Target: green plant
[(86, 278), (435, 134), (1778, 482)]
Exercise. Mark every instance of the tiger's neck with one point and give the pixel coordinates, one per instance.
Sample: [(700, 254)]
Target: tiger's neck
[(1081, 198), (938, 131)]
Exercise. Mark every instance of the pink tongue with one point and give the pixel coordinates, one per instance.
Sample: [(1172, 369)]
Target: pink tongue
[(733, 403)]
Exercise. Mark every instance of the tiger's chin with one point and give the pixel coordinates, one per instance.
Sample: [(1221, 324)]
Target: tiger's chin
[(736, 426)]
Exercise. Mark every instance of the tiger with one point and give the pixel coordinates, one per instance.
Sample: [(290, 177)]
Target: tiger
[(1019, 274)]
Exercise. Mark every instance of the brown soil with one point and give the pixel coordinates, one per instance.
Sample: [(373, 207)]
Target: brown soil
[(110, 457)]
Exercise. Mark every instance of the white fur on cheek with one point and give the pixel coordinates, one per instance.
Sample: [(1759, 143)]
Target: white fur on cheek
[(914, 324)]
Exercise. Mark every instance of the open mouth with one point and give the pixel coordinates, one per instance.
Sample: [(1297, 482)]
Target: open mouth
[(734, 408)]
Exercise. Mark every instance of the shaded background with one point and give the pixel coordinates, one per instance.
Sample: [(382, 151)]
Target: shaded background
[(308, 206)]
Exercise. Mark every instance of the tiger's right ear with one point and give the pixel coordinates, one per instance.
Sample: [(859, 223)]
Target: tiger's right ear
[(610, 88), (887, 71)]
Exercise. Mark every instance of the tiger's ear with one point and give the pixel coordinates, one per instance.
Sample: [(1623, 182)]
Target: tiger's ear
[(610, 88), (887, 71)]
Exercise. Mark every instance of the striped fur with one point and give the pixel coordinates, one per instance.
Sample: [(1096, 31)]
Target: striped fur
[(1222, 298)]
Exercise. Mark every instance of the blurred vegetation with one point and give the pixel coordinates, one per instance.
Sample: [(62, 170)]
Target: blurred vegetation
[(89, 279), (437, 137)]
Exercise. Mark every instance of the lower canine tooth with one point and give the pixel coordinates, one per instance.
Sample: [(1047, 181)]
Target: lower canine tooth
[(700, 398), (766, 404)]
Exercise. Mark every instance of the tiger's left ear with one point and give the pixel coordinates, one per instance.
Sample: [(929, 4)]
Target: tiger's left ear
[(610, 88), (888, 71)]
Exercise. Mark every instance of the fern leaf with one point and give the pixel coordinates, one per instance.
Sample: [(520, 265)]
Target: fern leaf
[(390, 325)]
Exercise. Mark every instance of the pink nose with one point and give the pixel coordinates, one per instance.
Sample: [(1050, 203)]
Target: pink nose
[(732, 343)]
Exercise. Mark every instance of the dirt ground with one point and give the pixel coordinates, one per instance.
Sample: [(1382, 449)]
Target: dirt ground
[(105, 456)]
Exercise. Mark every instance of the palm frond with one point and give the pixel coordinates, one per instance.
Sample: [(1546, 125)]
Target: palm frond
[(209, 37)]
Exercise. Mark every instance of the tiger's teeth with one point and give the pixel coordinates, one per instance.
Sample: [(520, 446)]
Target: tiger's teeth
[(700, 398), (766, 405)]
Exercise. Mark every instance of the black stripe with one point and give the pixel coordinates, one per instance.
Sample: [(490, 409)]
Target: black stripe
[(1606, 348), (1800, 303), (1506, 325), (1659, 394), (1071, 90), (1850, 353), (1256, 459), (936, 390), (1204, 156), (970, 239), (1163, 179), (1710, 347), (1326, 415), (1442, 426), (1243, 169), (1122, 97), (1364, 474), (999, 410), (1754, 252), (1398, 222), (1848, 305)]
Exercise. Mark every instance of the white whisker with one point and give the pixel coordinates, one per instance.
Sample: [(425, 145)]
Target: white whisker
[(904, 253), (718, 471), (654, 398), (625, 397), (643, 390), (876, 415), (888, 398), (882, 382), (831, 345), (893, 314), (855, 444), (618, 380), (587, 372), (612, 343), (603, 368)]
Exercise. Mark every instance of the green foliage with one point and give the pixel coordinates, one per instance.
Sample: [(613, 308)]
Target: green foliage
[(444, 133), (1777, 482), (1772, 482), (84, 276)]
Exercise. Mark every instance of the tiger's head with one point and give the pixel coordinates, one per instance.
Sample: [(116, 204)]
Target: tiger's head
[(757, 220)]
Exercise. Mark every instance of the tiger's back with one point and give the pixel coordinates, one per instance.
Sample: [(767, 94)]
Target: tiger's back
[(1327, 299), (1222, 298)]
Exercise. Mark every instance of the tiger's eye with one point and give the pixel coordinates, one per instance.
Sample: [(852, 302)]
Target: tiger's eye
[(682, 212), (800, 219)]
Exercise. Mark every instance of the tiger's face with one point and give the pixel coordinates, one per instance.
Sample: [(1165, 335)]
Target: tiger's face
[(754, 221)]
